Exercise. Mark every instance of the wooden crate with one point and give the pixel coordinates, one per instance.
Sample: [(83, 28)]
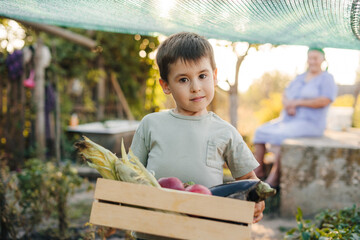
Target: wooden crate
[(126, 206)]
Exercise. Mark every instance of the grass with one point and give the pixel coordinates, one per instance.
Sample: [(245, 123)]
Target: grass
[(79, 213)]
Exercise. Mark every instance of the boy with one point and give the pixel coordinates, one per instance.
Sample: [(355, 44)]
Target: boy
[(189, 142)]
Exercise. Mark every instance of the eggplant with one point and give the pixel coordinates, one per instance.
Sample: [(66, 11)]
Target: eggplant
[(249, 190)]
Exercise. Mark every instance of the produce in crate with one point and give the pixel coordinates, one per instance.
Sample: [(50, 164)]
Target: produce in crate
[(250, 190), (131, 170), (198, 188), (172, 183), (176, 184), (111, 167)]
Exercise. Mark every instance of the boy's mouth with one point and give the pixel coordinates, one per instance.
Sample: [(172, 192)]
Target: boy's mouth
[(197, 99)]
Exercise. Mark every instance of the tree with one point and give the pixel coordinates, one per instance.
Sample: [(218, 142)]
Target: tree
[(233, 88), (233, 92), (261, 88)]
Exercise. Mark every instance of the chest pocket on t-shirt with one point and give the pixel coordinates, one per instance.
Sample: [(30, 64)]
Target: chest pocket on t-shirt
[(214, 155)]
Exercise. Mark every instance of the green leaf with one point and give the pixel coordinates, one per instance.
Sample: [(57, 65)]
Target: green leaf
[(305, 236), (299, 215)]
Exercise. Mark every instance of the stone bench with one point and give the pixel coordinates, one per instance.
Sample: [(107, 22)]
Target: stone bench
[(320, 173)]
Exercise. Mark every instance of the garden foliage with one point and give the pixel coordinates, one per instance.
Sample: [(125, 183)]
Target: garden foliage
[(33, 195), (328, 225)]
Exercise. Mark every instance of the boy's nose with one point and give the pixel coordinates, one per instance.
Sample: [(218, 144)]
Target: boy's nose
[(195, 86)]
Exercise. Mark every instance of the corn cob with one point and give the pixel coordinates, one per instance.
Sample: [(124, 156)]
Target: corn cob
[(111, 167)]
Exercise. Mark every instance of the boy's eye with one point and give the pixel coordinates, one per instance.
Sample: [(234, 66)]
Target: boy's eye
[(202, 76), (183, 80)]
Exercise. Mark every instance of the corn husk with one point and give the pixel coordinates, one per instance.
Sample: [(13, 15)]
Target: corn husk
[(126, 169)]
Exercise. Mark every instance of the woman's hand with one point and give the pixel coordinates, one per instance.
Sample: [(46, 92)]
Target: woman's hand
[(291, 111), (290, 106), (258, 212), (318, 102)]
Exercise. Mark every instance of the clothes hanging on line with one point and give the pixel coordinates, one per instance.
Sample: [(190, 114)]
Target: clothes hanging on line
[(14, 62)]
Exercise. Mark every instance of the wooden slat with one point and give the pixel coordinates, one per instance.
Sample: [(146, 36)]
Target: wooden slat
[(63, 33), (177, 201), (165, 224)]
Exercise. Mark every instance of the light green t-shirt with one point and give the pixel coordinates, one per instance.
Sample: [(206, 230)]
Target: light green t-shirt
[(191, 148)]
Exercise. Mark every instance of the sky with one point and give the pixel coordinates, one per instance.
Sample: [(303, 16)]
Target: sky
[(291, 60)]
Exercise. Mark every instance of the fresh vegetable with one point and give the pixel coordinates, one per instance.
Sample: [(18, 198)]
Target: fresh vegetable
[(172, 183), (250, 190), (111, 167), (177, 184), (198, 188), (188, 184)]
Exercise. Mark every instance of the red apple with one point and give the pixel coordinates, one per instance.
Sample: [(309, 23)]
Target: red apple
[(197, 188), (172, 183)]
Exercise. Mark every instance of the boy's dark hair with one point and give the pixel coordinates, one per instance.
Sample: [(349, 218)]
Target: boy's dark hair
[(185, 46)]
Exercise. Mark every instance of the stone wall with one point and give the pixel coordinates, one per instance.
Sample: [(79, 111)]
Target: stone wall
[(319, 173)]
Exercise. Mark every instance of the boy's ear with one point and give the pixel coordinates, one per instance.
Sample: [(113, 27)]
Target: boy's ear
[(215, 77), (164, 86)]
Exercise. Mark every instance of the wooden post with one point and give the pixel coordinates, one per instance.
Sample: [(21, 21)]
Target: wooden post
[(39, 98), (100, 92), (21, 141), (57, 124), (57, 112), (66, 34), (121, 97)]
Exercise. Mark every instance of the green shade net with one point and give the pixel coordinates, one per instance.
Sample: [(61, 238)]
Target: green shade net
[(319, 23)]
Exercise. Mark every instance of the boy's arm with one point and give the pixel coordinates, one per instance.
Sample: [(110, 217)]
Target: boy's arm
[(260, 206), (138, 146), (250, 175)]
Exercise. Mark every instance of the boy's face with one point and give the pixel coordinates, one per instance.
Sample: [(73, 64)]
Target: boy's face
[(191, 85)]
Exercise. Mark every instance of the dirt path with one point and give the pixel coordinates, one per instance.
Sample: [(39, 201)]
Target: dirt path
[(272, 228)]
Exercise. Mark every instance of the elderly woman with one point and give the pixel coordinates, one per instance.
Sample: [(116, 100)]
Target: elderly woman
[(306, 101)]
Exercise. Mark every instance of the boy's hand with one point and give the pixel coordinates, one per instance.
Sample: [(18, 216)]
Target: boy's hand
[(260, 206), (258, 212)]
